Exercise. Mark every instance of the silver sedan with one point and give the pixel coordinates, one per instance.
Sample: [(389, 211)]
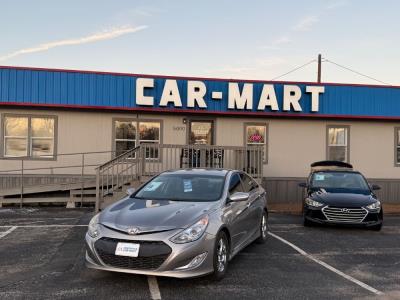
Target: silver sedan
[(182, 223)]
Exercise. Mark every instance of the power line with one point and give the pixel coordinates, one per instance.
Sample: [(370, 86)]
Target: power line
[(293, 70), (354, 71)]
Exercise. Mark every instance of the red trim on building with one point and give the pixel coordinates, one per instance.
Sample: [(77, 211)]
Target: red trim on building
[(196, 78), (202, 112)]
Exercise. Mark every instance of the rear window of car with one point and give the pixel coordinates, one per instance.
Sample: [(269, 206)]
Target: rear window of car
[(183, 187)]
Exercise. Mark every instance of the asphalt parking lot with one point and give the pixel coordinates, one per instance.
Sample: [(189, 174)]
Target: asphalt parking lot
[(42, 257)]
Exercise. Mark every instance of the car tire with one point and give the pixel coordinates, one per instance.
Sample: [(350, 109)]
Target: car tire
[(263, 229), (307, 223), (221, 256)]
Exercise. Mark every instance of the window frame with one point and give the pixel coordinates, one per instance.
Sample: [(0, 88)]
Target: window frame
[(347, 127), (137, 122), (266, 144), (229, 182), (396, 145), (29, 137)]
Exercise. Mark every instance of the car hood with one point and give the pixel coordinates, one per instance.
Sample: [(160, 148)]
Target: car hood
[(153, 215), (343, 199)]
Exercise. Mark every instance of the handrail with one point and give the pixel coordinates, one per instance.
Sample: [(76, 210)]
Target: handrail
[(126, 153), (146, 159), (51, 168)]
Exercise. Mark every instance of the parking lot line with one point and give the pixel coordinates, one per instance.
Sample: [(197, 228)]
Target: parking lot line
[(3, 234), (50, 225), (329, 267), (154, 289)]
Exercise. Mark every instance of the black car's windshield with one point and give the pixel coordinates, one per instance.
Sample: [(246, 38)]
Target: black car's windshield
[(332, 181), (183, 187)]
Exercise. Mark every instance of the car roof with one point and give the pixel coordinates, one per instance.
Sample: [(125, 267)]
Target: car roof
[(199, 171)]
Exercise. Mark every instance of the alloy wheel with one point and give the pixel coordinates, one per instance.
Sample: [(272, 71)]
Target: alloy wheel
[(264, 226), (221, 255)]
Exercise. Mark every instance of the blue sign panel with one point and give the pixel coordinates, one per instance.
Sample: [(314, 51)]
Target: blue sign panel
[(96, 90)]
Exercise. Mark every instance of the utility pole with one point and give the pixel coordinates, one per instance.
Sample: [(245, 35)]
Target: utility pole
[(319, 68)]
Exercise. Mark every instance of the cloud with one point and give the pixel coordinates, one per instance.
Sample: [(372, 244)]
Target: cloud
[(337, 4), (305, 24), (100, 36), (276, 43)]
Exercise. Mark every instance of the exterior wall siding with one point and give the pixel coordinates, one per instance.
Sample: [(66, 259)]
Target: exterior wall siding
[(292, 144), (62, 88)]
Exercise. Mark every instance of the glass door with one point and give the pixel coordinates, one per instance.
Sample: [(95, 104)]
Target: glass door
[(200, 133)]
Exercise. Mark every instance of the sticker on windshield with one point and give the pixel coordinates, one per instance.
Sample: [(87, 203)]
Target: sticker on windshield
[(187, 185), (319, 177), (152, 186)]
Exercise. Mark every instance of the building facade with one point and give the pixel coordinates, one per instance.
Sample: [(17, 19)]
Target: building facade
[(45, 114)]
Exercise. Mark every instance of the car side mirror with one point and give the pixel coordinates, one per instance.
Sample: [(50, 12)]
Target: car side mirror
[(303, 185), (130, 191), (375, 187), (239, 196)]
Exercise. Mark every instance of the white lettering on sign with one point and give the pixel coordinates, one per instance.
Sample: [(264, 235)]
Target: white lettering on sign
[(315, 91), (141, 84), (171, 94), (268, 98), (196, 90), (292, 99), (240, 100)]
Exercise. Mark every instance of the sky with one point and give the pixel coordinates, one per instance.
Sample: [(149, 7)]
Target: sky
[(252, 39)]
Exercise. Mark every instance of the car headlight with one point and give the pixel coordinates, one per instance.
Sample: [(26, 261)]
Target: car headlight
[(94, 226), (375, 205), (313, 203), (191, 233)]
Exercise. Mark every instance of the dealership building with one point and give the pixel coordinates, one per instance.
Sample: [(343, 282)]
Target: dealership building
[(47, 115)]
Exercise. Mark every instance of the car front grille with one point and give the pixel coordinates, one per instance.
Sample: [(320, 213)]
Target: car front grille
[(152, 254), (343, 214)]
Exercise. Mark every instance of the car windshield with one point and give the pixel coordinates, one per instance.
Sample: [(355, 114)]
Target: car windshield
[(331, 181), (183, 187)]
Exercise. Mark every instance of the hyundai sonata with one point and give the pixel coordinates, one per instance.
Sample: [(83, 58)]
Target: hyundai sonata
[(182, 223)]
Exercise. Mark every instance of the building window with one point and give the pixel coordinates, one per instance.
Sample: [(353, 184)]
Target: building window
[(29, 136), (149, 133), (338, 143), (397, 145), (129, 134), (256, 135), (125, 136)]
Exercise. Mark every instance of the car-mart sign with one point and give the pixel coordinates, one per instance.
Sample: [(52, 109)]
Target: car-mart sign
[(236, 96), (133, 92)]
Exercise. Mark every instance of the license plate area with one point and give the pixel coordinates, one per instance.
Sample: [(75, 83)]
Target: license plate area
[(127, 249)]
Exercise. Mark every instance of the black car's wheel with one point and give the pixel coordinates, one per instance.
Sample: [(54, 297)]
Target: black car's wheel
[(221, 256), (263, 229)]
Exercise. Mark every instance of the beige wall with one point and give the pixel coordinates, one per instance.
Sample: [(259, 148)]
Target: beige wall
[(292, 144)]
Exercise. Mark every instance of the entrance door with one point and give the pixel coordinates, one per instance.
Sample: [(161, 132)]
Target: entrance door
[(201, 134)]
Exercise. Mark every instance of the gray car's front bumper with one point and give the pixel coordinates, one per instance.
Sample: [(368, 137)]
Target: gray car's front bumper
[(181, 254)]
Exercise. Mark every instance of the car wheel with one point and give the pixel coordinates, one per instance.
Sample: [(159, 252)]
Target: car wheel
[(307, 223), (221, 253), (263, 229)]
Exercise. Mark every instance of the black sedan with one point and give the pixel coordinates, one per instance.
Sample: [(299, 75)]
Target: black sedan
[(336, 194)]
